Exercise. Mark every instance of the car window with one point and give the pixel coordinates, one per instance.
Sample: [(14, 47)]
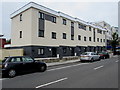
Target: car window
[(95, 53), (27, 59), (85, 53), (15, 60), (92, 53)]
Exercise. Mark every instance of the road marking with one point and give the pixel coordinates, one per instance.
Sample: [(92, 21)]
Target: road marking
[(117, 61), (2, 79), (98, 67), (51, 82), (66, 67)]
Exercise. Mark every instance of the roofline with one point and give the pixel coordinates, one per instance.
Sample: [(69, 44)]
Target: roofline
[(43, 8)]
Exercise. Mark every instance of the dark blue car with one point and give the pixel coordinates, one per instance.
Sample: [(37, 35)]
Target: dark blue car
[(11, 66)]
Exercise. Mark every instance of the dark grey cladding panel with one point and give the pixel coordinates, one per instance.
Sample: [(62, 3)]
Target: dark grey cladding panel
[(48, 17), (72, 30), (41, 24)]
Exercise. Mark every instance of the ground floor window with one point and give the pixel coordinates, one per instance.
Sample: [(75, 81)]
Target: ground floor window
[(41, 51)]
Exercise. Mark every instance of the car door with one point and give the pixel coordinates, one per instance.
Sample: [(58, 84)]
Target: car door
[(16, 63), (96, 56), (28, 63), (93, 55)]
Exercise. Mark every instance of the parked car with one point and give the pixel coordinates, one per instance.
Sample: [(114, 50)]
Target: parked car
[(11, 66), (104, 55), (118, 52), (89, 56)]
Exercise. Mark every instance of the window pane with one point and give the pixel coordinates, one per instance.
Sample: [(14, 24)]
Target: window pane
[(53, 35), (41, 33)]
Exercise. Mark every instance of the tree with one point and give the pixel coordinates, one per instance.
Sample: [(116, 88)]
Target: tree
[(114, 42), (8, 41)]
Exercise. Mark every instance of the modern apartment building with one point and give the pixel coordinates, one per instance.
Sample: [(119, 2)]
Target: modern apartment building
[(109, 30), (43, 32)]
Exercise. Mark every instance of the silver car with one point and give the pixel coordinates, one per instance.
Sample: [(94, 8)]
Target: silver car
[(89, 56)]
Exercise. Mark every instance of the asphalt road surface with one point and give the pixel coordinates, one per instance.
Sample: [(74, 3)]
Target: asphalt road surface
[(99, 74)]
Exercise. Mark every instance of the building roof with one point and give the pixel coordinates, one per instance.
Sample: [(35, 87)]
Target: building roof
[(37, 6)]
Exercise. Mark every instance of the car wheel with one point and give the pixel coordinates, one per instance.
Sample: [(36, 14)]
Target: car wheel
[(12, 73), (92, 59), (42, 68)]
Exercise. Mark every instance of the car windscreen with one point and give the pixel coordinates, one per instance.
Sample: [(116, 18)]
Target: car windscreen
[(5, 59), (85, 53)]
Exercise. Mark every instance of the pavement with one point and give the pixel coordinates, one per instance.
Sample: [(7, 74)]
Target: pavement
[(99, 74), (62, 62)]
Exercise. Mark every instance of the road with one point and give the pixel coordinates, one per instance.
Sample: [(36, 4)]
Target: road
[(99, 74)]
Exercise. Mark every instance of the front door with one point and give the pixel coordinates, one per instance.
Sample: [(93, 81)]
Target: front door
[(54, 52), (72, 51), (28, 64)]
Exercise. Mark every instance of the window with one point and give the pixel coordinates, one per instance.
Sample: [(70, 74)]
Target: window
[(89, 38), (99, 31), (64, 50), (89, 28), (53, 19), (41, 33), (27, 59), (72, 37), (41, 51), (64, 35), (72, 24), (85, 39), (103, 32), (97, 39), (41, 15), (20, 17), (79, 37), (20, 34), (16, 60), (81, 26), (64, 21), (104, 40), (53, 35), (101, 40)]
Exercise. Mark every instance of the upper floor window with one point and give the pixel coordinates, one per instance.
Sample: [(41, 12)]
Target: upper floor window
[(53, 19), (41, 15), (41, 33), (104, 40), (101, 40), (81, 26), (72, 24), (64, 21), (89, 28), (53, 35), (64, 35), (89, 38), (20, 34), (79, 37), (99, 31), (103, 32), (72, 37), (85, 39), (20, 17), (97, 39)]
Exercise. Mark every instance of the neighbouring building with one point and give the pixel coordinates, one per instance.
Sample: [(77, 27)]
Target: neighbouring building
[(109, 31), (43, 32), (2, 42)]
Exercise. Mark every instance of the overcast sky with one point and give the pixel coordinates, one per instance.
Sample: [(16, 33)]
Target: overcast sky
[(87, 11)]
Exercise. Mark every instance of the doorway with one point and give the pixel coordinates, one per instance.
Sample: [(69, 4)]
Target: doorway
[(54, 52)]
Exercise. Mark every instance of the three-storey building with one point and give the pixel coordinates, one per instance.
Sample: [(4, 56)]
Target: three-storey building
[(43, 32)]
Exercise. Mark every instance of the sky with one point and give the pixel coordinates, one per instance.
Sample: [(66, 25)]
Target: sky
[(89, 11)]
